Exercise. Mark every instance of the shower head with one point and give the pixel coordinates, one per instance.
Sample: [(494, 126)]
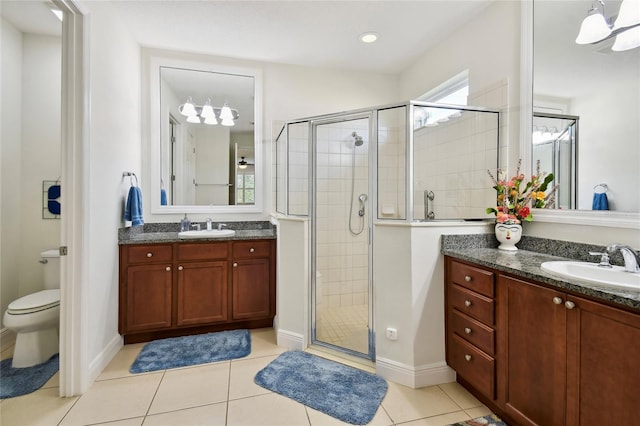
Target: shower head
[(358, 139)]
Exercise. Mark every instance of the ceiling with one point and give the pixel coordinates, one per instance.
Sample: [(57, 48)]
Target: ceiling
[(303, 32)]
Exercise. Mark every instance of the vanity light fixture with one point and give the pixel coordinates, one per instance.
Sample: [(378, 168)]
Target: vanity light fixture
[(209, 113), (368, 37), (626, 29)]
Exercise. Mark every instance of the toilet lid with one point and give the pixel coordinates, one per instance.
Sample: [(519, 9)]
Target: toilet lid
[(39, 301)]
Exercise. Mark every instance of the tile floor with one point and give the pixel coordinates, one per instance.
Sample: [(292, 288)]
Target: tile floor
[(344, 326), (221, 393)]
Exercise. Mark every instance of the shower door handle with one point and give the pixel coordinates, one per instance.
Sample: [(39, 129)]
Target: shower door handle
[(428, 196)]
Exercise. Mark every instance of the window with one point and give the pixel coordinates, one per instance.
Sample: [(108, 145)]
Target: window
[(245, 189)]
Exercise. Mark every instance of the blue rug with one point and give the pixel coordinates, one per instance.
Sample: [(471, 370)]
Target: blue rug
[(343, 392), (21, 381), (192, 350)]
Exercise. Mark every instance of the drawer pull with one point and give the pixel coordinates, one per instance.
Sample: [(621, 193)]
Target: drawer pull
[(569, 304), (168, 268), (251, 250), (467, 303), (467, 330), (149, 254), (235, 264), (467, 357), (557, 300), (467, 278), (180, 268)]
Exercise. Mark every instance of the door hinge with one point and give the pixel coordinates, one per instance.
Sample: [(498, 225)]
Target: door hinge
[(63, 250)]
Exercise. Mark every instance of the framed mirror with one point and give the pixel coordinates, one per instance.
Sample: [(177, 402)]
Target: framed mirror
[(593, 94), (204, 140)]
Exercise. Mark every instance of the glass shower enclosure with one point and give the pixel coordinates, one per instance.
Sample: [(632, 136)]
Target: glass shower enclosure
[(408, 162)]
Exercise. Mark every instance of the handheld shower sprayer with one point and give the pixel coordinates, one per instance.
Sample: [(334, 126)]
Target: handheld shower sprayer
[(363, 199)]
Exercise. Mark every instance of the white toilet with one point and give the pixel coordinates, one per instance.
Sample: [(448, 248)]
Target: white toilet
[(35, 318)]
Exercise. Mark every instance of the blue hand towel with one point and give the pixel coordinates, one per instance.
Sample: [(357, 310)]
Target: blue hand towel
[(600, 201), (163, 197), (133, 208)]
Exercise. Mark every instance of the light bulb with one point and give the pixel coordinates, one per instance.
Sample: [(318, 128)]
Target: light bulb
[(593, 29), (207, 111), (227, 121), (226, 113), (627, 40), (187, 108), (628, 15), (211, 120), (193, 119)]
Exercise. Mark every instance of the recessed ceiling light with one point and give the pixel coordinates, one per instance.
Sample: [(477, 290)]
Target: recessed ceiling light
[(368, 37)]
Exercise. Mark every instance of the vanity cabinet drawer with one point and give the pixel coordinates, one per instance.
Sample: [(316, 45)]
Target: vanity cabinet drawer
[(473, 365), (473, 331), (249, 249), (472, 278), (202, 251), (149, 253), (473, 304)]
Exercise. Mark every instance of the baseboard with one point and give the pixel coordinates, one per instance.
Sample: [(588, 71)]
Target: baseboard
[(290, 340), (414, 377), (104, 358)]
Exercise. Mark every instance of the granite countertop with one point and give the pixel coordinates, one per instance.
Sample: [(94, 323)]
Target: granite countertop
[(168, 232), (525, 263)]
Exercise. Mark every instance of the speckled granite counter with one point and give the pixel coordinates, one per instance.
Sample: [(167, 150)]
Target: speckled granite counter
[(168, 232), (525, 263)]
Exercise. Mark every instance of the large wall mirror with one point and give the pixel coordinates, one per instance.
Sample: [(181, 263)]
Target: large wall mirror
[(586, 103), (204, 138)]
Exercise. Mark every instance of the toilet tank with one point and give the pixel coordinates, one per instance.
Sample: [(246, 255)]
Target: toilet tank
[(51, 268)]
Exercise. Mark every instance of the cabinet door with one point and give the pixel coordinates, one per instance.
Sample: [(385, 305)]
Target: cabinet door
[(531, 352), (603, 368), (201, 292), (148, 300), (251, 289)]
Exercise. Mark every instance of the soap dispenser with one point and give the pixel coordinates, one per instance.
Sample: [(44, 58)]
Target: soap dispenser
[(185, 223)]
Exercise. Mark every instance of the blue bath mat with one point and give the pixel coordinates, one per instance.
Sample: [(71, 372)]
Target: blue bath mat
[(21, 381), (192, 350), (343, 392)]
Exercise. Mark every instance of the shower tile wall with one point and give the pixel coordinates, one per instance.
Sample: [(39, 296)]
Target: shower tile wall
[(391, 163), (341, 258)]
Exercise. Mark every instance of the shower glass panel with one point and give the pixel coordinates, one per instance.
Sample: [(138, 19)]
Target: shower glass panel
[(298, 172), (341, 235), (555, 141), (281, 171), (392, 163), (452, 150)]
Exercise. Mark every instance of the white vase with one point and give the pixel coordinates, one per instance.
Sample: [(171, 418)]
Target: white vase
[(508, 236)]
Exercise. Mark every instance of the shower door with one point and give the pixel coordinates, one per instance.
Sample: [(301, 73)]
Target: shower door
[(341, 248)]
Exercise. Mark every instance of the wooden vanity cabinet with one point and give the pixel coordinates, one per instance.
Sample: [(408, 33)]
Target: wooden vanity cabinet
[(184, 288), (561, 359)]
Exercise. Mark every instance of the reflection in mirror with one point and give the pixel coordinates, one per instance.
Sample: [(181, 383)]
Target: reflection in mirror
[(207, 158), (554, 147), (599, 87)]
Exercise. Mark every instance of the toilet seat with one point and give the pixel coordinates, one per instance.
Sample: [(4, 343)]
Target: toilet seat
[(35, 302)]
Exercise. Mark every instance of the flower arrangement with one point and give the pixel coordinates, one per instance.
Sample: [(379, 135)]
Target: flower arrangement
[(514, 196)]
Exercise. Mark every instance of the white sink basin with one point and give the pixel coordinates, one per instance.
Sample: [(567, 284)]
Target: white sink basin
[(214, 233), (591, 273)]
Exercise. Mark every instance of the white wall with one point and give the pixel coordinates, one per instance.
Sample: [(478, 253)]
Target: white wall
[(30, 154), (11, 160), (114, 146)]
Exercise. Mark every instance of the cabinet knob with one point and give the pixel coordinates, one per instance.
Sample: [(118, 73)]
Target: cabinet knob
[(168, 268), (569, 304), (149, 254), (180, 268), (467, 303), (467, 278), (557, 300), (235, 264), (467, 330), (251, 250), (467, 357)]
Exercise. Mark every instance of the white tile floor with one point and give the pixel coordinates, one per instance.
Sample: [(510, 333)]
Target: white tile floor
[(344, 326), (221, 393)]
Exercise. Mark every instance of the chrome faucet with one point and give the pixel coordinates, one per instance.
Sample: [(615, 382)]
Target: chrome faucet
[(208, 224), (221, 225), (630, 256)]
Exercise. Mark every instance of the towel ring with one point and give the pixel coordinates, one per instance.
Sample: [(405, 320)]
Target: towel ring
[(132, 176), (602, 186)]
